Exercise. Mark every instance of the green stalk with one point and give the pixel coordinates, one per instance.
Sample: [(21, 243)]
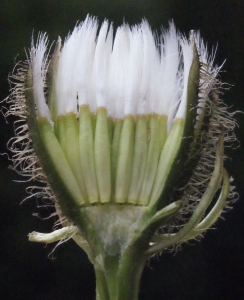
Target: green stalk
[(121, 279)]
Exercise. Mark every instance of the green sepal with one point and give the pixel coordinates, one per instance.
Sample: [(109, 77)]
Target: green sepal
[(202, 206), (102, 156), (58, 161), (215, 212), (125, 160), (169, 154), (60, 131), (200, 128), (110, 129), (165, 214), (162, 136), (72, 150), (140, 159), (115, 152), (86, 146), (151, 160)]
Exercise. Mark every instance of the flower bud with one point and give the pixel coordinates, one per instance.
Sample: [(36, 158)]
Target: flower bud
[(128, 136)]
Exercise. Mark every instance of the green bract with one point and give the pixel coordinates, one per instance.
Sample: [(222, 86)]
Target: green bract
[(128, 136)]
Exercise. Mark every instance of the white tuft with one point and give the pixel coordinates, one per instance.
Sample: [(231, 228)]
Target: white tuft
[(205, 56), (210, 72), (132, 81), (149, 71), (187, 60), (39, 65), (65, 88), (118, 71), (171, 74), (84, 60), (101, 64)]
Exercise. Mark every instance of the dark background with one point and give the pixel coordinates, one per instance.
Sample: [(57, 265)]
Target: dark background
[(212, 269)]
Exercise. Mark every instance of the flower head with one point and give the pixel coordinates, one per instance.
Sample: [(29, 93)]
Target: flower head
[(127, 130)]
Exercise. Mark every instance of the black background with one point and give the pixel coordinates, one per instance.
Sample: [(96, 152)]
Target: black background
[(212, 269)]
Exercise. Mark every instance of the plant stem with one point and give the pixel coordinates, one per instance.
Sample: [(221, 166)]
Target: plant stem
[(120, 278)]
